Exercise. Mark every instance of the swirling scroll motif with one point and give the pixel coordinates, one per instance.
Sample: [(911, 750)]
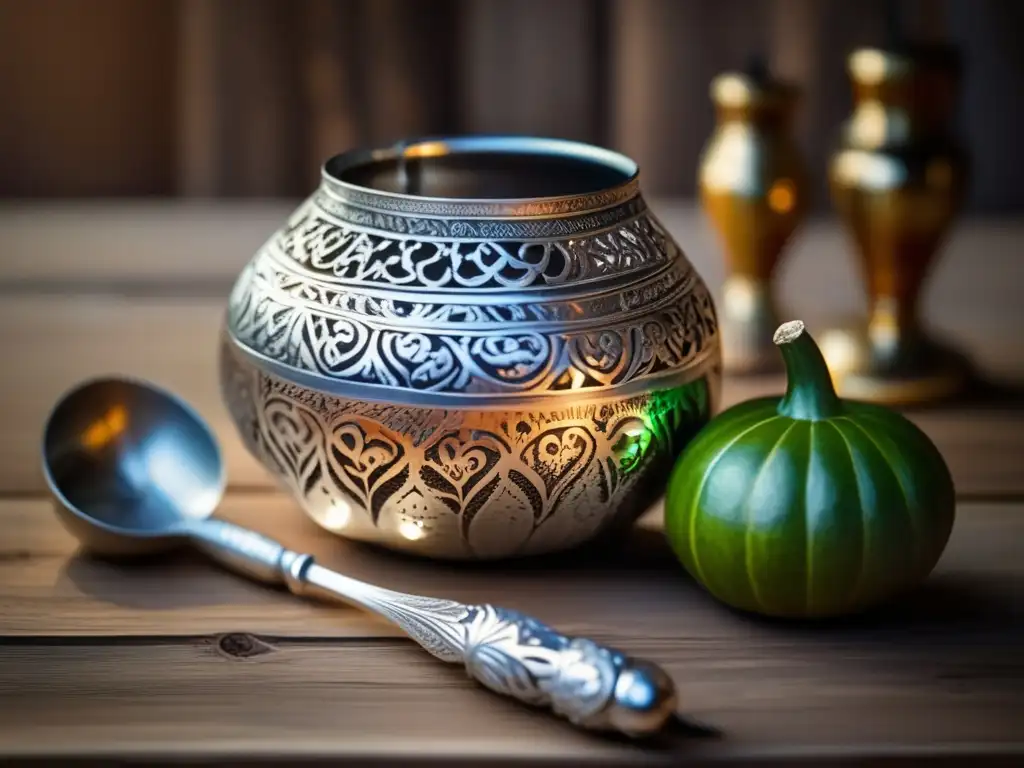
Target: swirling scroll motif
[(282, 318), (334, 345), (555, 458), (340, 251), (602, 357), (513, 359), (293, 439), (497, 361), (422, 361), (434, 623), (266, 276), (494, 483), (519, 656), (366, 464), (463, 469), (263, 323)]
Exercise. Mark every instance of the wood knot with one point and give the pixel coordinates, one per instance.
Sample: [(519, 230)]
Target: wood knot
[(15, 555), (241, 645)]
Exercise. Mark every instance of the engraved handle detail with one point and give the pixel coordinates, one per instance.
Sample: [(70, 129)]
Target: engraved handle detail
[(507, 652), (518, 656), (514, 654), (588, 684)]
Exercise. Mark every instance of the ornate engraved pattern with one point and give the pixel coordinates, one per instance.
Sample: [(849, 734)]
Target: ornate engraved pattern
[(482, 229), (577, 365), (561, 206), (341, 347), (467, 483), (267, 277), (337, 251), (434, 623), (347, 304), (518, 656), (515, 655)]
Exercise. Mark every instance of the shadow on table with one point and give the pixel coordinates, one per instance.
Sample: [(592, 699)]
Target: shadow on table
[(639, 565), (186, 579), (981, 394), (958, 633), (160, 582)]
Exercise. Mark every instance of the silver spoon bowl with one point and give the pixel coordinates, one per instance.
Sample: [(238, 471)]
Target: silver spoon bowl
[(132, 468), (135, 470)]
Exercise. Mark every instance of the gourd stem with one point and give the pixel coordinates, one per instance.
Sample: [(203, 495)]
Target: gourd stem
[(810, 395)]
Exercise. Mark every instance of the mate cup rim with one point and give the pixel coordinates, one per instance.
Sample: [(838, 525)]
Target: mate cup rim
[(541, 206)]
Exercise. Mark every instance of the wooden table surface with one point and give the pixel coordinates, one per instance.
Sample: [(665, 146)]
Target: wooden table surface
[(181, 660)]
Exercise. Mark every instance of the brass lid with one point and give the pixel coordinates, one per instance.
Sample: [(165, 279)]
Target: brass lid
[(921, 78), (752, 89), (874, 66)]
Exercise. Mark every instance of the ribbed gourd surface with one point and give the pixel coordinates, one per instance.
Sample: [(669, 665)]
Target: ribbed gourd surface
[(794, 517)]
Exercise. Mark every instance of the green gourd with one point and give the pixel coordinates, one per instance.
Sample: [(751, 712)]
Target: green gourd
[(808, 505)]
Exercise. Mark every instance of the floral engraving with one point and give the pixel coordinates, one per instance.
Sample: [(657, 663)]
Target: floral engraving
[(518, 656), (361, 351), (498, 483), (337, 251), (570, 356)]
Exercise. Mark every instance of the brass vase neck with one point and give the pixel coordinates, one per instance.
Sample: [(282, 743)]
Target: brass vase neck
[(920, 81), (753, 98)]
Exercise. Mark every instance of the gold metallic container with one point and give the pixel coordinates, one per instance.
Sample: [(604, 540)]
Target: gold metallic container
[(898, 181), (472, 348), (753, 187)]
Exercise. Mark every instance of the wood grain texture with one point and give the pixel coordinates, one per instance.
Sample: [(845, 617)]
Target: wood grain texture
[(47, 588), (190, 249), (327, 698), (181, 660), (56, 342), (243, 670)]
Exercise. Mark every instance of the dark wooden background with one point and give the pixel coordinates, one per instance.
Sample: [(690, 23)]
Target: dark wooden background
[(245, 98)]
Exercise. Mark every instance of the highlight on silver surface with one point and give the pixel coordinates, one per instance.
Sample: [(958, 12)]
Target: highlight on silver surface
[(133, 470), (471, 347)]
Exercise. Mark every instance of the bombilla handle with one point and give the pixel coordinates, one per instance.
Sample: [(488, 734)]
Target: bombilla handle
[(515, 655), (512, 654), (249, 553)]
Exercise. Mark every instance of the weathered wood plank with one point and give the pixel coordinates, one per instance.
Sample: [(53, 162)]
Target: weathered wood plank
[(637, 595), (53, 343), (316, 699), (181, 248), (939, 674), (64, 243)]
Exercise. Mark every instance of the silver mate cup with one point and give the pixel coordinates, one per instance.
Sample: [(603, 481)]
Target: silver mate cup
[(472, 348)]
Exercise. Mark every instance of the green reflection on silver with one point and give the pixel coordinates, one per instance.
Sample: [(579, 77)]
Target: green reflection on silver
[(672, 418)]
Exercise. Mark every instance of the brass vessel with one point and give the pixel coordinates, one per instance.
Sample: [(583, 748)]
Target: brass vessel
[(472, 347), (753, 189), (897, 181)]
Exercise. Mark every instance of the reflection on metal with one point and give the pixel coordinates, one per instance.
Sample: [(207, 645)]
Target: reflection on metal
[(753, 189), (897, 182), (113, 511), (475, 377)]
